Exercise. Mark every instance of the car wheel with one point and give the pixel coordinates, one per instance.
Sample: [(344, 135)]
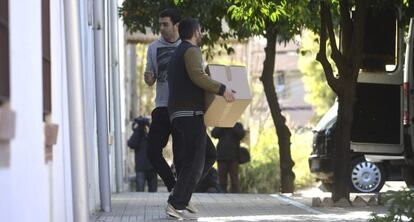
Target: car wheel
[(366, 177)]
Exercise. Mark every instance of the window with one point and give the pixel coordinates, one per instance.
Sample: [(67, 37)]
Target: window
[(280, 84), (4, 52), (380, 40)]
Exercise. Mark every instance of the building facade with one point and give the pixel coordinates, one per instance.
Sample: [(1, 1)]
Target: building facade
[(61, 119)]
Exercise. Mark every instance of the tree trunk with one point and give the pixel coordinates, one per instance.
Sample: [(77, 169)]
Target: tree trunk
[(282, 131), (346, 97), (341, 154), (348, 62)]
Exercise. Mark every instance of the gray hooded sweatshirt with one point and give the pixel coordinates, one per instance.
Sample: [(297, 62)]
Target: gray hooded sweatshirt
[(158, 56)]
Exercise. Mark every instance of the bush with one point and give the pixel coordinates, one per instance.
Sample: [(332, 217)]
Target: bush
[(401, 207), (301, 148), (318, 93), (262, 173)]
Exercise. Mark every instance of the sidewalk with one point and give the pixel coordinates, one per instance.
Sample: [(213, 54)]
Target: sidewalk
[(132, 207)]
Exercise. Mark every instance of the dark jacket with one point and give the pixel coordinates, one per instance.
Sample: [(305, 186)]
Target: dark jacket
[(229, 141), (187, 81), (209, 183), (184, 94), (142, 162)]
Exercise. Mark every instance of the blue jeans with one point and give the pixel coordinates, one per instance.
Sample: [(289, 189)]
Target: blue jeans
[(150, 176)]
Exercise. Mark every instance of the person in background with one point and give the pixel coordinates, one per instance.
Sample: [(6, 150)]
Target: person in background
[(209, 184), (228, 147), (144, 170)]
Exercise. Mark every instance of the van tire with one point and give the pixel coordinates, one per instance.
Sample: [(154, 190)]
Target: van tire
[(366, 177), (408, 175)]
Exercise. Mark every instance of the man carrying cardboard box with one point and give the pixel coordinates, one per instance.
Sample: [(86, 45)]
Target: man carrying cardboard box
[(187, 83)]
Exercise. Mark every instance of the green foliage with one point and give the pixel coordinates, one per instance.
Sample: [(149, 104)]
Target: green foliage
[(255, 18), (138, 15), (253, 15), (319, 94), (141, 14), (401, 207), (210, 14), (262, 173), (246, 18), (301, 148)]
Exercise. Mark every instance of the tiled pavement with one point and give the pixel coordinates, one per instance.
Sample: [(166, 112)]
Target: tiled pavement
[(137, 207)]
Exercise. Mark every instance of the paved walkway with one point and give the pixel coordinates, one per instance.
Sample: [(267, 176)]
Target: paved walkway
[(137, 207)]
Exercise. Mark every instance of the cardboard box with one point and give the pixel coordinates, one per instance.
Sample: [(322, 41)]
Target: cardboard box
[(220, 113)]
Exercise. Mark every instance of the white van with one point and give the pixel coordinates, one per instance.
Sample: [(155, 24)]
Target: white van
[(382, 129)]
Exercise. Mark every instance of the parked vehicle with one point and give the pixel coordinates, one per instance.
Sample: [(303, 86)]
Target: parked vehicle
[(382, 129)]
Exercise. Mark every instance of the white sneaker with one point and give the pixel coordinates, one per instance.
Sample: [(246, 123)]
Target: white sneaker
[(179, 214), (191, 208)]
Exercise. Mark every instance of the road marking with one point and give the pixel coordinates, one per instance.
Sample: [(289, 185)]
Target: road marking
[(295, 203)]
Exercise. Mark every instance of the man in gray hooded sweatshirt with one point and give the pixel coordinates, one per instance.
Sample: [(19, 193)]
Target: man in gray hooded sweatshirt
[(158, 56)]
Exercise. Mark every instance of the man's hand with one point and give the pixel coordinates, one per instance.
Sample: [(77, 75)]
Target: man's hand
[(149, 78), (229, 95)]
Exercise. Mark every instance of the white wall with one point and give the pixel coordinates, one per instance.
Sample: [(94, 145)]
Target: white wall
[(122, 73), (30, 190), (28, 193), (90, 103), (62, 210)]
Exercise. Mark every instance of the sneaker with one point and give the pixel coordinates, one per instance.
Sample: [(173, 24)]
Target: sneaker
[(179, 214), (191, 208)]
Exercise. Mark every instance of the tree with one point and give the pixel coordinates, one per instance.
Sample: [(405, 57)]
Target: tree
[(275, 20), (138, 15), (348, 60), (318, 92)]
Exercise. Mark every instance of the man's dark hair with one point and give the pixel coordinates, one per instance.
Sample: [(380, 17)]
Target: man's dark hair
[(173, 14), (187, 28)]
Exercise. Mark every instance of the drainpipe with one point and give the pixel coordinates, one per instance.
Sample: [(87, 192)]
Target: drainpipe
[(101, 108), (116, 93), (76, 112)]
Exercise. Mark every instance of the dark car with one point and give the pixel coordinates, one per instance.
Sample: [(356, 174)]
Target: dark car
[(366, 176)]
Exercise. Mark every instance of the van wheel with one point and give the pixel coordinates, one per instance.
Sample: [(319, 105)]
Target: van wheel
[(408, 175), (366, 177)]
